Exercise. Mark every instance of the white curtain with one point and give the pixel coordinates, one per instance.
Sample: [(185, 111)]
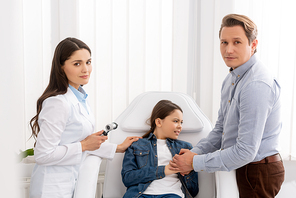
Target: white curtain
[(137, 46)]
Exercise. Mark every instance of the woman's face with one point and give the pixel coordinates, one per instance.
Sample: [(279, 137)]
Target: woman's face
[(170, 126), (78, 68)]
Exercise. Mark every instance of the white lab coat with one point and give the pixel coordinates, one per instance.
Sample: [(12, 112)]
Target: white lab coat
[(63, 122)]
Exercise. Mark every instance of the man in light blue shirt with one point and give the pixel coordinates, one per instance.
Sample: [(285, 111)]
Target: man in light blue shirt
[(246, 134)]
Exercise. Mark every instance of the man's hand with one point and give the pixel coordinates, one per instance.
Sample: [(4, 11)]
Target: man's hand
[(182, 162)]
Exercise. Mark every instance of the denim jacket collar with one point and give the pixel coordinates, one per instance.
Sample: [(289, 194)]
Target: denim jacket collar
[(153, 136)]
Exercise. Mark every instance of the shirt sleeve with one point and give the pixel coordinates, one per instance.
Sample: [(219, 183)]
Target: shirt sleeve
[(255, 104), (52, 122)]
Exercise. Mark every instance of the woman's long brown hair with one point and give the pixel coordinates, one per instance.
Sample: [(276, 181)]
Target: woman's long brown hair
[(161, 110), (58, 81)]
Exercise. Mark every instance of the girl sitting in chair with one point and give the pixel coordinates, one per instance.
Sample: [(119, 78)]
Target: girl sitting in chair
[(145, 169)]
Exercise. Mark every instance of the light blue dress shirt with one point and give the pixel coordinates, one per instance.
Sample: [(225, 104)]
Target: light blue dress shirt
[(249, 123), (81, 95)]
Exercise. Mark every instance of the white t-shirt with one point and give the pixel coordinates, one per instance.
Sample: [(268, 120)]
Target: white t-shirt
[(170, 183)]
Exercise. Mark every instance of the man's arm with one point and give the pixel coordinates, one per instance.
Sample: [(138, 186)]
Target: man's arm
[(255, 104)]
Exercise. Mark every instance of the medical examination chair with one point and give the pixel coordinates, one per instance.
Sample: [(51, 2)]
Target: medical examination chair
[(132, 122)]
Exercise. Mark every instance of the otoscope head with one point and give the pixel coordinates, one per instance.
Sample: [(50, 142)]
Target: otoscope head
[(112, 126)]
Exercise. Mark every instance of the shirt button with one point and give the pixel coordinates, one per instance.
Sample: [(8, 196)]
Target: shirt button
[(238, 75), (154, 144), (221, 149), (232, 83), (229, 101), (155, 155), (222, 133)]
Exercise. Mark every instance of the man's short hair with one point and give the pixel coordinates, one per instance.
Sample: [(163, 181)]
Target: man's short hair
[(249, 26)]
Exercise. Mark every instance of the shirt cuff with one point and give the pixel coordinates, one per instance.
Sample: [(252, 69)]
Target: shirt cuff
[(196, 150), (199, 163), (160, 172)]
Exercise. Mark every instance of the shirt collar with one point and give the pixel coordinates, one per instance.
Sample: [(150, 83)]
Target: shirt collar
[(80, 94), (152, 136), (241, 70)]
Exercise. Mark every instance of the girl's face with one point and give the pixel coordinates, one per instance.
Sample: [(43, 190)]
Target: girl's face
[(78, 68), (170, 126)]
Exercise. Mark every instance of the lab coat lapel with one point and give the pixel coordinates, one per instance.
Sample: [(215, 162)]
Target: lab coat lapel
[(83, 111), (73, 99)]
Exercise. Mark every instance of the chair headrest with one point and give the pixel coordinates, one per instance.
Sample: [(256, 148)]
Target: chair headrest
[(134, 118)]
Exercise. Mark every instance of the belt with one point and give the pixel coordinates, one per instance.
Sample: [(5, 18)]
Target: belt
[(269, 159)]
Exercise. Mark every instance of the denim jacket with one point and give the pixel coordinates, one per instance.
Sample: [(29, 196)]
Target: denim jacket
[(140, 167)]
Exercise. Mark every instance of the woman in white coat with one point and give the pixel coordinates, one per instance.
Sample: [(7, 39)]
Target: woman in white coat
[(64, 125)]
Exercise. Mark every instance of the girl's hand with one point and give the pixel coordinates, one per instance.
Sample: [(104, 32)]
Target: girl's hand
[(167, 170), (93, 141), (126, 143)]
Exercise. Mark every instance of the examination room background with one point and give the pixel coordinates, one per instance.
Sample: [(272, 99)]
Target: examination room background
[(137, 46)]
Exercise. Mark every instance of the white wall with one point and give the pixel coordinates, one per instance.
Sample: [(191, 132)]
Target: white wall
[(12, 94), (137, 46)]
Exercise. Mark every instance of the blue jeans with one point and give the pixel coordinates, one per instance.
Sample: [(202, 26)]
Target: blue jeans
[(160, 196)]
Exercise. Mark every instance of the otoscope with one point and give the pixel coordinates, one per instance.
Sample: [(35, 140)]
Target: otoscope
[(110, 127)]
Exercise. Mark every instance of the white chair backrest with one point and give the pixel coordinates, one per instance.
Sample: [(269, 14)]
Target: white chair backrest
[(133, 122)]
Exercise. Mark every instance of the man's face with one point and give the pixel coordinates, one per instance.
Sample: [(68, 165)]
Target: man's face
[(234, 46)]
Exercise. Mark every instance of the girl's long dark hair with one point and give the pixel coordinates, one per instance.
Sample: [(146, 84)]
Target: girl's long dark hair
[(58, 81), (161, 110)]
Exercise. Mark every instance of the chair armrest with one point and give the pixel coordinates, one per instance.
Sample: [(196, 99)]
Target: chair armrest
[(87, 179), (226, 185)]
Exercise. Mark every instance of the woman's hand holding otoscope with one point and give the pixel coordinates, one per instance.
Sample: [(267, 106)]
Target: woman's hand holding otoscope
[(94, 141)]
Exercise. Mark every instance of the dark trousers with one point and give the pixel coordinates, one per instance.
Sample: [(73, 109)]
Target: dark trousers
[(260, 180)]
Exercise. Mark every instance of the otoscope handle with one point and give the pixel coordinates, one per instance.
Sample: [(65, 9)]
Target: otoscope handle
[(105, 133)]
